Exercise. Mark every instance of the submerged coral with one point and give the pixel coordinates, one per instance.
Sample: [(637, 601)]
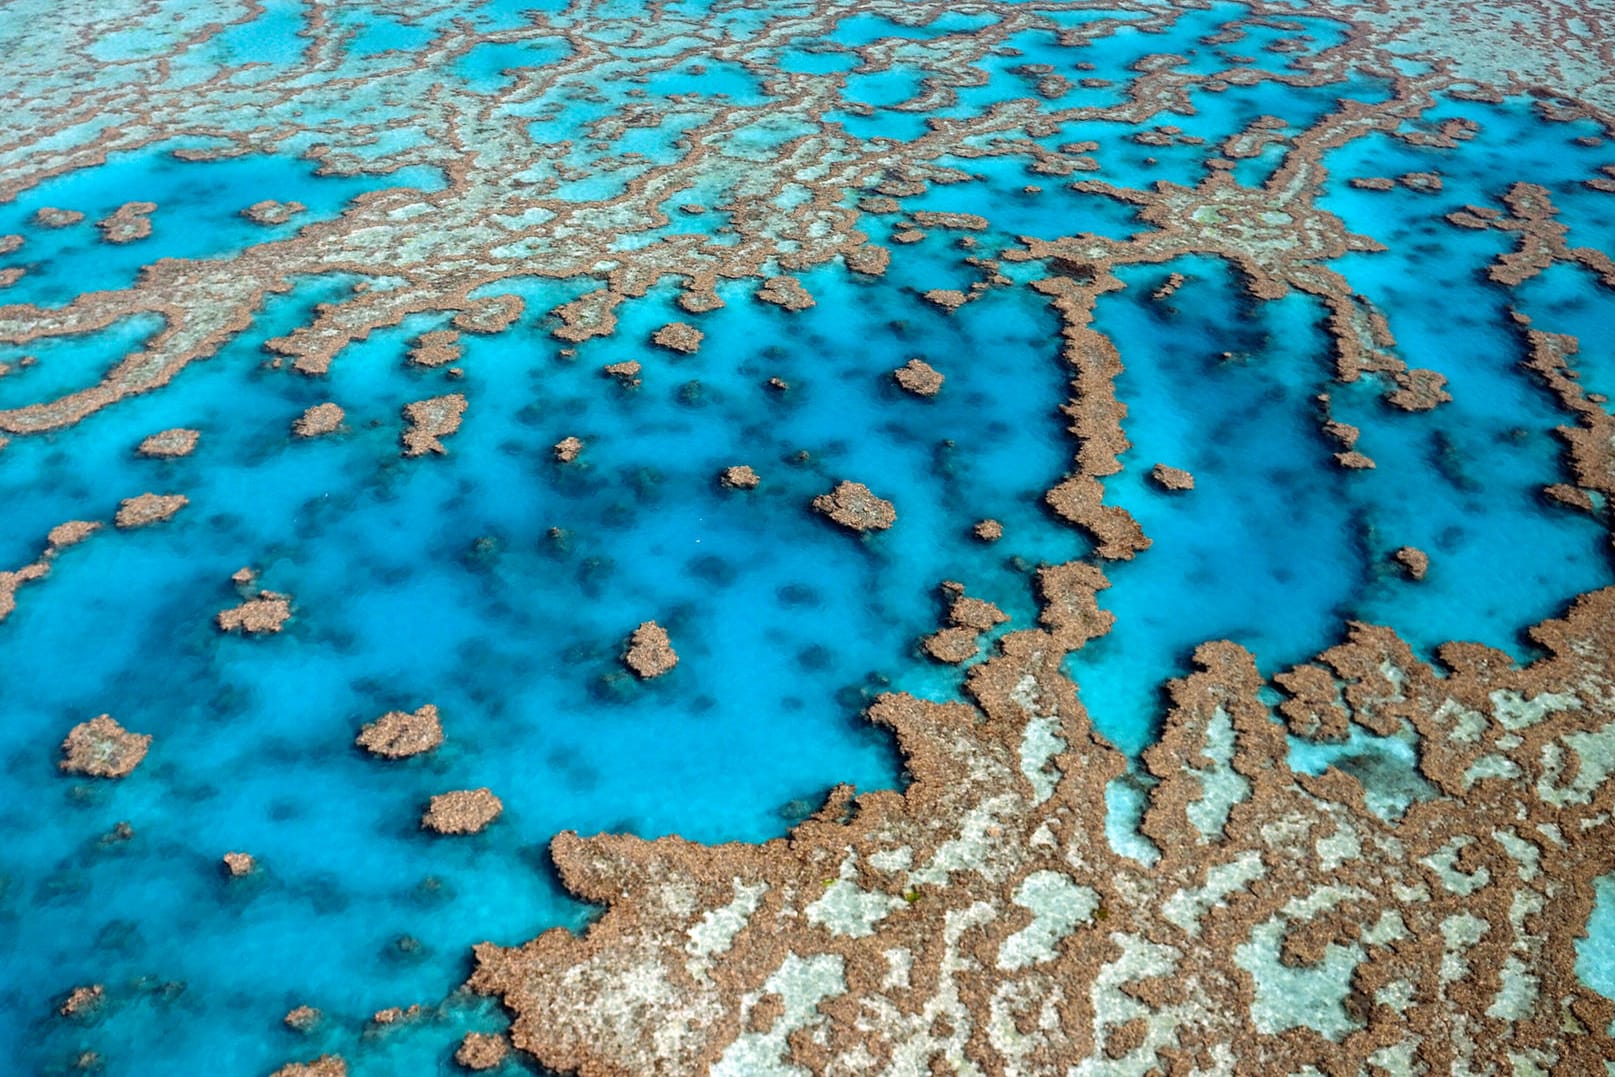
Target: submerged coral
[(463, 811), (101, 748), (400, 734), (856, 507), (649, 652), (982, 915)]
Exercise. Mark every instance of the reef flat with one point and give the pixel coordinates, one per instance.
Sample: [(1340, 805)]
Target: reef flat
[(1032, 536)]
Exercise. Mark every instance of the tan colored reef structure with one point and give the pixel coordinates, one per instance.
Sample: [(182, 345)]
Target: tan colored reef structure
[(101, 748), (980, 918), (147, 509), (320, 419), (983, 915), (649, 652), (463, 811), (856, 507), (919, 377), (239, 865), (265, 613), (739, 477), (401, 734), (170, 443), (431, 420)]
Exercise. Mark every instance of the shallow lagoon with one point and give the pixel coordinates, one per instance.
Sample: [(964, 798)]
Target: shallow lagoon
[(438, 580)]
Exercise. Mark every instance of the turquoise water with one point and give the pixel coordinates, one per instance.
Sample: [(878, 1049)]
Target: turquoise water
[(441, 579)]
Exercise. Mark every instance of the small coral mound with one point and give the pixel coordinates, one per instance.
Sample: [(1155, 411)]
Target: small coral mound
[(400, 734), (568, 449), (440, 347), (1172, 478), (679, 337), (324, 1066), (101, 748), (989, 530), (463, 811), (627, 372), (148, 509), (267, 612), (270, 211), (303, 1018), (83, 1001), (1414, 560), (431, 420), (320, 419), (853, 505), (482, 1050), (650, 652), (166, 443), (919, 377), (239, 865), (739, 477)]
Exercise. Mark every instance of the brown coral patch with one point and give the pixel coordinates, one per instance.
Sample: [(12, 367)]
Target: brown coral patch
[(440, 347), (1171, 478), (166, 443), (739, 477), (649, 651), (239, 865), (786, 292), (302, 1018), (482, 1050), (324, 1066), (679, 337), (400, 734), (431, 420), (148, 509), (271, 212), (568, 449), (51, 217), (101, 748), (1414, 561), (83, 1001), (264, 614), (919, 377), (463, 811), (128, 223), (856, 507), (320, 419)]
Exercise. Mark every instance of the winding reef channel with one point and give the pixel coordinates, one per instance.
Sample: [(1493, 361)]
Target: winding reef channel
[(1038, 536)]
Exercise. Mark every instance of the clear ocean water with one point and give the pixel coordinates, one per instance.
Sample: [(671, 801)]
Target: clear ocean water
[(438, 579)]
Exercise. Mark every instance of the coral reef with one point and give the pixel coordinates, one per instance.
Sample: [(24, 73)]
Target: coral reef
[(101, 748), (239, 865), (856, 507), (83, 1001), (324, 1066), (568, 449), (265, 613), (302, 1018), (482, 1050), (1171, 478), (679, 337), (319, 419), (739, 477), (981, 915), (1414, 561), (176, 442), (463, 811), (649, 652), (149, 508), (430, 420), (400, 734), (919, 377)]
